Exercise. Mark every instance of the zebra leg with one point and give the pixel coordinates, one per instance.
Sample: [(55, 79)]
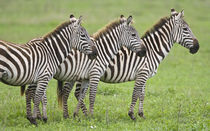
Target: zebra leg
[(30, 92), (137, 92), (41, 88), (44, 107), (77, 93), (141, 101), (93, 89), (83, 90), (29, 97), (66, 91)]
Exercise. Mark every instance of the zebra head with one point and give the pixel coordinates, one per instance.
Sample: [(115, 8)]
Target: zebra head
[(81, 39), (130, 37), (183, 34)]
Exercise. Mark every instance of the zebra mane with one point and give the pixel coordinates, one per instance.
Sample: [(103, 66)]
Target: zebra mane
[(156, 26), (58, 28), (35, 39), (107, 28)]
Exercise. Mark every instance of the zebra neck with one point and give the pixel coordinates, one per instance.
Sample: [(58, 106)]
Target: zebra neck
[(58, 47), (108, 46), (159, 42)]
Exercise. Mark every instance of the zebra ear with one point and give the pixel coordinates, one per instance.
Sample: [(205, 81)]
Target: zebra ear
[(180, 15), (173, 11), (79, 20), (129, 20), (72, 18), (122, 18)]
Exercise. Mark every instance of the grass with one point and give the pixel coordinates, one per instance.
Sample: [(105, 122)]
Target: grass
[(177, 98)]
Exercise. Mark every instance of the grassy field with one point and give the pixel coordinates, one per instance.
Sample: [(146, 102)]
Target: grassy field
[(177, 98)]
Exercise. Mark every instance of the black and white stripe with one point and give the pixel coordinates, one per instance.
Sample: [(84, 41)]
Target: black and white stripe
[(127, 66), (108, 42), (37, 61)]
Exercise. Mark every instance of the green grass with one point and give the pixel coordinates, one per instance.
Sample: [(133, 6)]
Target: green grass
[(177, 98)]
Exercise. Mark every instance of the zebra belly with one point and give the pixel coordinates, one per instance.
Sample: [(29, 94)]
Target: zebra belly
[(114, 81), (124, 77), (70, 78)]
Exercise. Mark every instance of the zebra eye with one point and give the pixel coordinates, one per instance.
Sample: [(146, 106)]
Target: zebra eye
[(185, 29), (133, 35)]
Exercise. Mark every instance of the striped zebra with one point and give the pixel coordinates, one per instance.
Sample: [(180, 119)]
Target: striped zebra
[(127, 66), (37, 61), (108, 42)]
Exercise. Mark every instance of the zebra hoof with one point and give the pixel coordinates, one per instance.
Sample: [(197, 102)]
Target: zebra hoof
[(75, 114), (141, 114), (45, 119), (39, 117), (65, 116), (32, 121), (86, 115), (29, 118), (131, 114)]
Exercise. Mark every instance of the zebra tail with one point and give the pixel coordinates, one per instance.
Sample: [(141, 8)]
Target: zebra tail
[(22, 90), (60, 93)]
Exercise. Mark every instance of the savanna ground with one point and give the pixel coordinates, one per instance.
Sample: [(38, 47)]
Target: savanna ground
[(177, 98)]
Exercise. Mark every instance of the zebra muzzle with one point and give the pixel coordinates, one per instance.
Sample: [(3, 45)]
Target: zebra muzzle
[(94, 54), (195, 47), (142, 52)]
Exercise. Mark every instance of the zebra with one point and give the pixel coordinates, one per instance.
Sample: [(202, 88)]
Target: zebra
[(108, 41), (127, 66), (37, 61)]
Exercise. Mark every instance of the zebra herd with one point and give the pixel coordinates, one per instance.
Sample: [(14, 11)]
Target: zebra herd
[(114, 54)]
